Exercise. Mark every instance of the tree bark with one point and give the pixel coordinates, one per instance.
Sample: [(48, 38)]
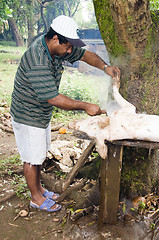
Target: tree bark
[(15, 32), (43, 18), (30, 21)]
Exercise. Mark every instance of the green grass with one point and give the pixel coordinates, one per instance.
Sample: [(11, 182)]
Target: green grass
[(8, 67), (79, 86), (18, 182), (10, 163)]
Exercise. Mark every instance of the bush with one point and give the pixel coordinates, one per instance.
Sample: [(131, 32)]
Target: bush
[(79, 86)]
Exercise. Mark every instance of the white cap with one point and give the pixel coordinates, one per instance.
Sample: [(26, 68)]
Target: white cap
[(67, 27)]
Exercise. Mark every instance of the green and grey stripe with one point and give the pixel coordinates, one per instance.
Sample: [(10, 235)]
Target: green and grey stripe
[(37, 80)]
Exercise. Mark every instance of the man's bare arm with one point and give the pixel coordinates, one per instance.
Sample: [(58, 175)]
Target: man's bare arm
[(94, 60), (63, 102)]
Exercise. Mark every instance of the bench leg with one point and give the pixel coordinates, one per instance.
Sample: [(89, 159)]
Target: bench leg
[(110, 185)]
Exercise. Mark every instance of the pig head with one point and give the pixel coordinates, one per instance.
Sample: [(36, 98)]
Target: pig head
[(123, 123)]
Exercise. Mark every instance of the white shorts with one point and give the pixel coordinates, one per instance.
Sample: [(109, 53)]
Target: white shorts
[(33, 143)]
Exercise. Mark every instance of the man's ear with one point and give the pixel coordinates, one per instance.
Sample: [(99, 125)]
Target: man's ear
[(55, 39)]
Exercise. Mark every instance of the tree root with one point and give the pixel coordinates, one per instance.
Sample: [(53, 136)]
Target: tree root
[(7, 197), (51, 182), (20, 170), (75, 187), (84, 212)]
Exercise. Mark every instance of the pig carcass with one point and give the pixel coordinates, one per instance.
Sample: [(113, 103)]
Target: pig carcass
[(122, 122)]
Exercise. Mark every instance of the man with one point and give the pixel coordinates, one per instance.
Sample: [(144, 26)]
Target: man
[(36, 92)]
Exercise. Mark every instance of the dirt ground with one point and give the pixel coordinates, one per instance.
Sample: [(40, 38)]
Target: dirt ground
[(43, 225)]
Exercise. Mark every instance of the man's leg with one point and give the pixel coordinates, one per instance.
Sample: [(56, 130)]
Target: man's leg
[(32, 179), (32, 173), (31, 143), (42, 190)]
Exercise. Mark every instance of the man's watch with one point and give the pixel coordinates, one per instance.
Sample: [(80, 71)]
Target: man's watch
[(105, 67)]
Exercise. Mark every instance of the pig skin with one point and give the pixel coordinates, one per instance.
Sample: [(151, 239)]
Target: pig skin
[(124, 123)]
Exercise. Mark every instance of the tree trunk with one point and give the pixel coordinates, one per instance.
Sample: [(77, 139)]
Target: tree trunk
[(131, 39), (43, 18), (130, 32), (15, 32), (30, 21)]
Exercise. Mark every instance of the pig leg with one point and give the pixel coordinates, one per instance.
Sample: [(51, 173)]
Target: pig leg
[(122, 102), (101, 148)]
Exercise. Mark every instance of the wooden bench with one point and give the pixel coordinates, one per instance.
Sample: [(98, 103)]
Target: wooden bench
[(110, 177)]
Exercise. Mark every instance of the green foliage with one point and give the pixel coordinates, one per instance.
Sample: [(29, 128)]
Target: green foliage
[(79, 86), (21, 11), (17, 181), (5, 11), (64, 116), (68, 8), (61, 174), (142, 205), (56, 8), (154, 5), (16, 9), (152, 226), (20, 185), (7, 164), (85, 17), (155, 18)]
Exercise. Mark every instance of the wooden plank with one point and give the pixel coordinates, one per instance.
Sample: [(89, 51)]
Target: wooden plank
[(135, 143), (110, 185)]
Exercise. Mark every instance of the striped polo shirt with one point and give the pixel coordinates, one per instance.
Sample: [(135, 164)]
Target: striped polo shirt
[(37, 79)]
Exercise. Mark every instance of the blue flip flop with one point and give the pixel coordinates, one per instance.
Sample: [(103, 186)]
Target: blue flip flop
[(50, 195), (46, 205)]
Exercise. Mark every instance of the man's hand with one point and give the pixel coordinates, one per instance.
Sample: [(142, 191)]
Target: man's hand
[(113, 71), (94, 60), (93, 109)]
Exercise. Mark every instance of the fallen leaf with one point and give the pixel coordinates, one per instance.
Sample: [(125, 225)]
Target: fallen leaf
[(23, 213), (90, 224), (55, 219), (78, 210)]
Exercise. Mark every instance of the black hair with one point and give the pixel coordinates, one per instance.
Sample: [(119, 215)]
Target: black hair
[(51, 33)]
